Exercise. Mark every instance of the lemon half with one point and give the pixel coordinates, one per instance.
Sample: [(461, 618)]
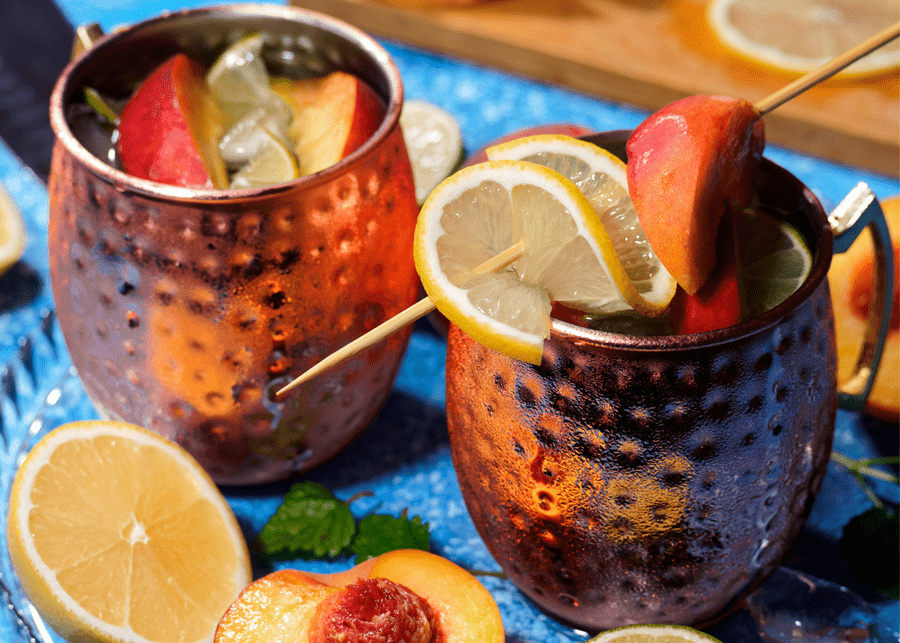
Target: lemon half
[(118, 535)]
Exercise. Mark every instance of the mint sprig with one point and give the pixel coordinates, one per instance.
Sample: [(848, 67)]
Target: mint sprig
[(381, 534), (313, 523)]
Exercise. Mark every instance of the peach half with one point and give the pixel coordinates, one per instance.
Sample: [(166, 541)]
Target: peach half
[(404, 596)]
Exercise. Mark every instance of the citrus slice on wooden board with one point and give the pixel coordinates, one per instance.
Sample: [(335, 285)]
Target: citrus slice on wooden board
[(485, 209), (118, 535), (798, 36), (850, 279), (602, 178)]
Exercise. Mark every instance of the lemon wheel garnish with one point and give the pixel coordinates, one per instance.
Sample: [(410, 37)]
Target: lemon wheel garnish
[(773, 260), (12, 232), (654, 634), (798, 36), (273, 163), (483, 210), (118, 535), (601, 177)]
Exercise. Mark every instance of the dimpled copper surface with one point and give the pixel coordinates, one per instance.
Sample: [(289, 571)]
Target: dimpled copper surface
[(186, 317), (616, 487), (647, 480)]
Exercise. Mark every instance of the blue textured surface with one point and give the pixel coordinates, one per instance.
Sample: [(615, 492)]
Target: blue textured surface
[(403, 459)]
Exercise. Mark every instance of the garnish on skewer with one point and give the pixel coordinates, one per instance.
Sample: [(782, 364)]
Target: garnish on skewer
[(761, 107)]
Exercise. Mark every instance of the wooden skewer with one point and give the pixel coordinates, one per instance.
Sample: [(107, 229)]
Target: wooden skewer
[(425, 306), (398, 321), (827, 70)]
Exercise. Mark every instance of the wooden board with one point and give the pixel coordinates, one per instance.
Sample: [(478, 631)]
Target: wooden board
[(646, 53)]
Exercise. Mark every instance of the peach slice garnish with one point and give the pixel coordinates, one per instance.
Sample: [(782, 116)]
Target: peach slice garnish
[(169, 130), (687, 162)]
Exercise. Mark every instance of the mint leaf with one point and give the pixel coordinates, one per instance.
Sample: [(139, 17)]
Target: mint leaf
[(871, 542), (310, 522), (380, 534)]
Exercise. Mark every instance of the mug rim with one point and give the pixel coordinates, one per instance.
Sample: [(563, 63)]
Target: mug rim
[(63, 90), (822, 254)]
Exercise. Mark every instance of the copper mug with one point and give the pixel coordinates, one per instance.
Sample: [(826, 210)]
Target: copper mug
[(662, 479), (185, 310)]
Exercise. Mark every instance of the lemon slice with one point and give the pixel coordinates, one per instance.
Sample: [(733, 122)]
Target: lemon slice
[(434, 144), (12, 232), (239, 80), (801, 35), (273, 163), (654, 634), (483, 210), (118, 535), (602, 178), (246, 138), (773, 260)]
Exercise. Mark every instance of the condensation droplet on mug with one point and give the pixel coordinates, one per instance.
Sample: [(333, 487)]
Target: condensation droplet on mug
[(132, 319), (179, 409), (111, 367), (215, 400), (210, 265), (566, 599), (278, 363)]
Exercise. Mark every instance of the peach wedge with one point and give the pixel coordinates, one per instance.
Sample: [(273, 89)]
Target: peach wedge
[(169, 130), (686, 163)]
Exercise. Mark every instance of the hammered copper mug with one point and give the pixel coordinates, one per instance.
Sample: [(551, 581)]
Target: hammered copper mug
[(184, 310), (661, 479)]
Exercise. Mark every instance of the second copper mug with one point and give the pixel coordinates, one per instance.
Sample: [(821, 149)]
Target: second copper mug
[(184, 310), (661, 479)]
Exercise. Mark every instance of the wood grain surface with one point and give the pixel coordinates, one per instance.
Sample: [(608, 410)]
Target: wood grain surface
[(646, 53)]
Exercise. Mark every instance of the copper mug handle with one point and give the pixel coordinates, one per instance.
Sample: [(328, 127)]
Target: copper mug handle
[(858, 210)]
